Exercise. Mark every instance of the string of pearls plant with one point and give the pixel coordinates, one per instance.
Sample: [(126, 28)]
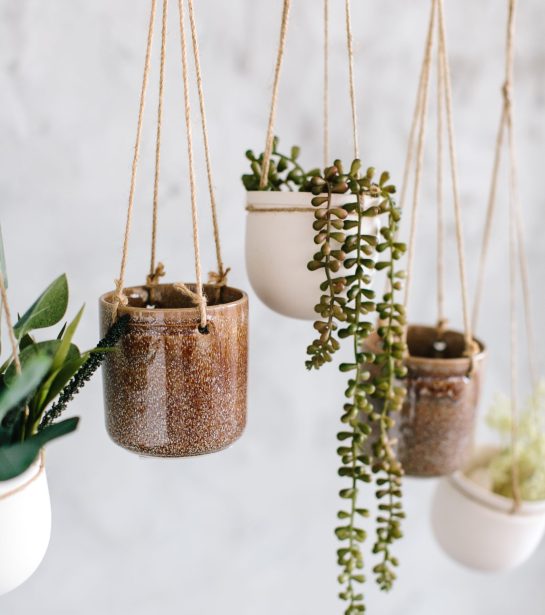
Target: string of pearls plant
[(348, 310)]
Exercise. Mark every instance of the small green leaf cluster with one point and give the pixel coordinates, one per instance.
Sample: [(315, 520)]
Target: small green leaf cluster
[(530, 446), (347, 309), (49, 370), (285, 172)]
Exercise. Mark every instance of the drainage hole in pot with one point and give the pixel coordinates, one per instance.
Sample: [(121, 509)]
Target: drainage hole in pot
[(440, 346)]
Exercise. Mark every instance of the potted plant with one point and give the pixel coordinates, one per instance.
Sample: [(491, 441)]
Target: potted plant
[(474, 516), (36, 383), (434, 432), (281, 208), (349, 311)]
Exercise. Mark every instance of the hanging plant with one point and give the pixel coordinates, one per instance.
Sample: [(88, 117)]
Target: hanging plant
[(36, 383), (178, 385), (348, 311), (491, 515), (283, 207), (475, 515)]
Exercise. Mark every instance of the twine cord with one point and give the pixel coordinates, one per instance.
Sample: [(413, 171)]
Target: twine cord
[(9, 323), (441, 320), (154, 272), (471, 346), (119, 295), (326, 83), (198, 297), (274, 98), (219, 278), (351, 78)]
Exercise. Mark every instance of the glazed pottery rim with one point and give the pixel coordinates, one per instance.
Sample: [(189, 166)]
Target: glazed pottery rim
[(281, 199), (494, 502), (106, 299), (417, 361), (13, 486)]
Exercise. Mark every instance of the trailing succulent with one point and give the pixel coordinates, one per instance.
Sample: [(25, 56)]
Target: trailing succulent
[(51, 373), (348, 310)]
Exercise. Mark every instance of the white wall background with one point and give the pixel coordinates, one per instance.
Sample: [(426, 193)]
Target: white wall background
[(248, 530)]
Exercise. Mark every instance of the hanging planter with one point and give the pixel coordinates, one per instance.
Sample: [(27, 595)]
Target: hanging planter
[(279, 274), (25, 525), (37, 381), (434, 430), (177, 387), (479, 528), (491, 516), (172, 390)]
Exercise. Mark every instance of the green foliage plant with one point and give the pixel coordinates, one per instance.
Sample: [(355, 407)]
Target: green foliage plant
[(348, 312), (530, 453), (52, 371), (285, 171)]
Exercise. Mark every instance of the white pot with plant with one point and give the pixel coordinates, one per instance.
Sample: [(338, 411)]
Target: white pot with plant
[(37, 381), (475, 516), (281, 232)]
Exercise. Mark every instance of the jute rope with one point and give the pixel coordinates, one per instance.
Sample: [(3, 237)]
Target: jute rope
[(441, 320), (422, 103), (9, 324), (326, 83), (29, 482), (220, 277), (197, 297), (157, 271), (471, 346), (351, 78), (119, 295), (274, 99)]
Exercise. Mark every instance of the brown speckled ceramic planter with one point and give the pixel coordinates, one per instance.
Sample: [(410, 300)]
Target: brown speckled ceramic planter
[(170, 390), (435, 425)]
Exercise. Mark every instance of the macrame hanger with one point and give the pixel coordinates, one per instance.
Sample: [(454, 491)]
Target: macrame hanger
[(219, 277), (419, 123), (119, 295), (157, 270), (269, 142), (326, 83), (351, 78), (198, 296), (441, 319), (418, 131)]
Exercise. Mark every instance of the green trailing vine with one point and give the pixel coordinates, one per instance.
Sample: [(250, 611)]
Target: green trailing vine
[(347, 311)]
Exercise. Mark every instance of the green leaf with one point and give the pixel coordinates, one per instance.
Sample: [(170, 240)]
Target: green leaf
[(25, 384), (16, 458), (47, 310), (66, 341), (48, 348)]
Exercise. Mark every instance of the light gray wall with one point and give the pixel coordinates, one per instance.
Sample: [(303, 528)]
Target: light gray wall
[(249, 530)]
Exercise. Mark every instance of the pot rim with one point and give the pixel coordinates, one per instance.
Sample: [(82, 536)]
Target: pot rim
[(282, 199), (463, 363), (106, 300), (22, 481), (484, 497)]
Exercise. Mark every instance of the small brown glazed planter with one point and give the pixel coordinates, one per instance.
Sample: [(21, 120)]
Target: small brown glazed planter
[(171, 390), (436, 423)]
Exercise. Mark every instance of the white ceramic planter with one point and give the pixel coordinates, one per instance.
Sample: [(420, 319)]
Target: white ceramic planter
[(25, 525), (279, 244), (477, 528)]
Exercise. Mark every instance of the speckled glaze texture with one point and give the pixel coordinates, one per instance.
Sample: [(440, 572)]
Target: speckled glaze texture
[(170, 390), (438, 417), (434, 429)]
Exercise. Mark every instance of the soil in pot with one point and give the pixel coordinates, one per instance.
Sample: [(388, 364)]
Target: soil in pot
[(435, 426), (171, 389)]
